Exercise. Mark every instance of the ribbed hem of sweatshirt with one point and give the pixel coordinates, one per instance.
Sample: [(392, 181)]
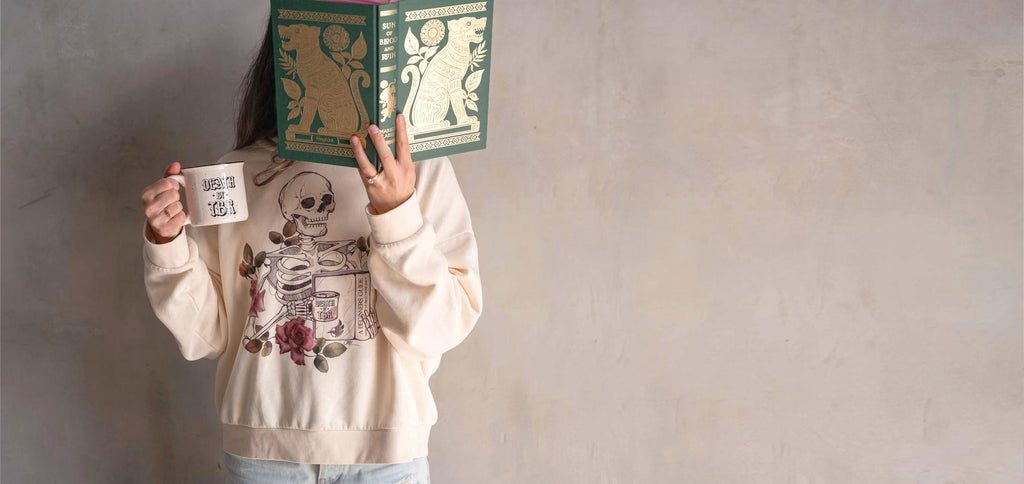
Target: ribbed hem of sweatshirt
[(172, 254), (398, 223), (381, 446)]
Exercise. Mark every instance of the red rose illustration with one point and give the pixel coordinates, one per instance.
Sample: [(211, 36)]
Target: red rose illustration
[(295, 337)]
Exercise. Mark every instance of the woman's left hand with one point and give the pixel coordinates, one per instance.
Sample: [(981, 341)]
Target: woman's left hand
[(397, 178)]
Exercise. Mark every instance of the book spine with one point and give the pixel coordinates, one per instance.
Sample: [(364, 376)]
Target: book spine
[(386, 71)]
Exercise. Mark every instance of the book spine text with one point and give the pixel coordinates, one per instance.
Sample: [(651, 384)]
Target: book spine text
[(387, 73)]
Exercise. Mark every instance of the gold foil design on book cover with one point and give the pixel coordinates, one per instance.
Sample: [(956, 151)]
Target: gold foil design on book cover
[(444, 142), (319, 149), (334, 18), (387, 100), (445, 11), (443, 74), (311, 79)]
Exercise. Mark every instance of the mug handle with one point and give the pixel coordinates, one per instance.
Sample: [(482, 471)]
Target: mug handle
[(181, 181)]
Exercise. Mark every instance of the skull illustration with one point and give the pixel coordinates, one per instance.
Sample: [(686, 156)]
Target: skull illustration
[(308, 200)]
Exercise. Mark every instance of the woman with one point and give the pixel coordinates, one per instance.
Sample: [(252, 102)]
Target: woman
[(329, 308)]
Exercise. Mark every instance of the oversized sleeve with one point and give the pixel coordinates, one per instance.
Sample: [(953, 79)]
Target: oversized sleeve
[(184, 289), (423, 263)]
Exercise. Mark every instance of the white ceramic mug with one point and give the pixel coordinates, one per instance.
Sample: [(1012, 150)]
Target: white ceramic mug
[(214, 194)]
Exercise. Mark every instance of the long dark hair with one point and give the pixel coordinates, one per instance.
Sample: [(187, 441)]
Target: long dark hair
[(257, 114)]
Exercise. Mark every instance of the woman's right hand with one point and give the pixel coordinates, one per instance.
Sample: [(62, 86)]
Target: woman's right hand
[(162, 206)]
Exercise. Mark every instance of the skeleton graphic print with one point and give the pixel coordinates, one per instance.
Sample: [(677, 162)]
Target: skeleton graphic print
[(320, 301)]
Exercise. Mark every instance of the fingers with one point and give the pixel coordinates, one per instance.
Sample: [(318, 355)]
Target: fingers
[(387, 159), (158, 187), (366, 169), (167, 221), (155, 207), (177, 222), (173, 209), (402, 139), (173, 169), (162, 205), (168, 227)]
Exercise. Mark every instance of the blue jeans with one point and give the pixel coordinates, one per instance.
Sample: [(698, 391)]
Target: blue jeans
[(243, 470)]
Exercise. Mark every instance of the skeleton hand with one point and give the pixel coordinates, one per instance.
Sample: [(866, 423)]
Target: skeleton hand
[(162, 205), (301, 309), (395, 181)]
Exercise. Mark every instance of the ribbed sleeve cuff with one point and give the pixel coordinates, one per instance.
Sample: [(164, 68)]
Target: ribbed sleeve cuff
[(169, 255), (398, 223)]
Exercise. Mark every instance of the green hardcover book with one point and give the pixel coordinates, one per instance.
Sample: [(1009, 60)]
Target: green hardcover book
[(343, 66)]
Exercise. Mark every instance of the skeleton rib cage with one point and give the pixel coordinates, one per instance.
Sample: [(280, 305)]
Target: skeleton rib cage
[(296, 274)]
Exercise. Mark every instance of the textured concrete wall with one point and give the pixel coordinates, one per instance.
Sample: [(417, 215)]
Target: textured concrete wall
[(720, 242)]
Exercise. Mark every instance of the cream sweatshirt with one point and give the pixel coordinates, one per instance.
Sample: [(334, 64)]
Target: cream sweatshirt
[(328, 320)]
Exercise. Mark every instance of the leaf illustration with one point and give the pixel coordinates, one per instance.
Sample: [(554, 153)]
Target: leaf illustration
[(254, 345), (276, 237), (264, 336), (430, 52), (361, 243), (423, 66), (287, 63), (414, 59), (291, 88), (347, 71), (267, 348), (294, 113), (260, 258), (412, 44), (320, 342), (289, 228), (334, 349), (356, 64), (423, 50), (251, 270), (359, 47), (339, 58), (247, 254), (321, 363), (473, 81), (292, 241), (471, 105), (478, 54), (473, 96)]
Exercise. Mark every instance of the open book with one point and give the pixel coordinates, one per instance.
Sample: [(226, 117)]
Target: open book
[(342, 65)]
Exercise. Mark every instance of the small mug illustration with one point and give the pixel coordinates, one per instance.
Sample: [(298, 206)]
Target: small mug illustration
[(325, 309)]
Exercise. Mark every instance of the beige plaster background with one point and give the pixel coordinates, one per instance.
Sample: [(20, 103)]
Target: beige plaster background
[(721, 241)]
